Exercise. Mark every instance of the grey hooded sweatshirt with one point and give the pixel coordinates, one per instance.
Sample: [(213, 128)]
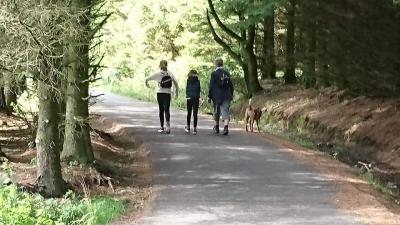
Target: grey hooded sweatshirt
[(158, 76)]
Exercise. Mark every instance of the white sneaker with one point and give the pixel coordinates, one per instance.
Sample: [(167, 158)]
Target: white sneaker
[(194, 131), (161, 130), (187, 130)]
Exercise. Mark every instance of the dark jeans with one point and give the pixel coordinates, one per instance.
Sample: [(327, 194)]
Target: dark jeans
[(164, 102), (192, 106)]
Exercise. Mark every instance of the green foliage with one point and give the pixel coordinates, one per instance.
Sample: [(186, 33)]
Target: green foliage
[(20, 208), (253, 11), (140, 34)]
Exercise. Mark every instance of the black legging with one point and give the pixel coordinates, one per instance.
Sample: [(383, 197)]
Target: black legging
[(164, 102), (192, 106)]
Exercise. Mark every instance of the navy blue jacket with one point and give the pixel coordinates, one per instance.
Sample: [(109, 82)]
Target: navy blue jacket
[(193, 87), (217, 93)]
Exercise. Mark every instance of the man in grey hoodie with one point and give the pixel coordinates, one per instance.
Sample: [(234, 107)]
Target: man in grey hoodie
[(165, 79)]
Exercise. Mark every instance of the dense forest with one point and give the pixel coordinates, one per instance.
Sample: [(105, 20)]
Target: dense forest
[(52, 50), (351, 45), (47, 54)]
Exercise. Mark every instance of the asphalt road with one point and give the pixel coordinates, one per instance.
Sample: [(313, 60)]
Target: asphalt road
[(208, 179)]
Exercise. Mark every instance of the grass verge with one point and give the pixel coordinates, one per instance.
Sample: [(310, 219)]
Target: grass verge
[(20, 208)]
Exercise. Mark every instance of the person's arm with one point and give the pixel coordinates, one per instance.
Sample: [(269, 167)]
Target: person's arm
[(187, 91), (210, 87), (176, 85), (199, 89), (150, 78), (232, 88)]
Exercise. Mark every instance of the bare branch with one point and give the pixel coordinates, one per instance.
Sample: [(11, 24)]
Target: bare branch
[(219, 40), (5, 69), (100, 25), (99, 8), (221, 24), (96, 67), (92, 96), (95, 45)]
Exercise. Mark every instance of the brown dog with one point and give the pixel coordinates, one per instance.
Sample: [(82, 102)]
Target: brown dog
[(252, 115)]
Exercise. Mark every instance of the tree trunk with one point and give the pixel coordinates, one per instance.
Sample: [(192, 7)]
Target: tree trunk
[(77, 143), (49, 177), (250, 58), (48, 145), (11, 97), (63, 104), (269, 65), (245, 69), (322, 62), (252, 68), (290, 72), (3, 105), (310, 65), (9, 91)]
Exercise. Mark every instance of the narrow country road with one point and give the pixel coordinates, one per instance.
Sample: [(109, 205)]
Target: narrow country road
[(208, 179)]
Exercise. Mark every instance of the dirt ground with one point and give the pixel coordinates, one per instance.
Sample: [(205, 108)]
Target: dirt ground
[(354, 196), (122, 167), (368, 128)]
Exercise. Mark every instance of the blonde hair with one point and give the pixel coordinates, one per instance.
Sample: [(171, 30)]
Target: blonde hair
[(164, 65)]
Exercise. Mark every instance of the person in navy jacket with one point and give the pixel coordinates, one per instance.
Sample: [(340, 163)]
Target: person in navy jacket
[(221, 94), (193, 89)]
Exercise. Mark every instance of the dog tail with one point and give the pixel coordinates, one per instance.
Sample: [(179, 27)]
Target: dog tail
[(250, 101)]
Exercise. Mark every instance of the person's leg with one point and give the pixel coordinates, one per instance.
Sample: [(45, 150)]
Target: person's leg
[(189, 114), (196, 104), (167, 105), (225, 107), (217, 115), (160, 101)]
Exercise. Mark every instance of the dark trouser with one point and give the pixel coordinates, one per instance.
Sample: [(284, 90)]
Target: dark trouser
[(192, 106), (164, 102)]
